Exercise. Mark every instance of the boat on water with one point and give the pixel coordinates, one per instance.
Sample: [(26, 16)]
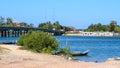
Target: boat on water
[(76, 53), (80, 53)]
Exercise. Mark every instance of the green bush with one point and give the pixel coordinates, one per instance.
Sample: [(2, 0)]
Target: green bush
[(65, 51), (38, 41)]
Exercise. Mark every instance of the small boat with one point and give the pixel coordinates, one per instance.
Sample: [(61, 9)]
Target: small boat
[(80, 53), (117, 58)]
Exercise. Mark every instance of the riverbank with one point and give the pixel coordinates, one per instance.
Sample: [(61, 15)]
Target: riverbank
[(86, 35), (94, 34), (12, 57)]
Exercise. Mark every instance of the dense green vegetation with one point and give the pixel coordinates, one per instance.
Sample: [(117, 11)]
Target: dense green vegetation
[(42, 42), (49, 25), (38, 41), (56, 26), (112, 27)]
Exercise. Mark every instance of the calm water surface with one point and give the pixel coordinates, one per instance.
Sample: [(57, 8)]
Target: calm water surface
[(101, 48)]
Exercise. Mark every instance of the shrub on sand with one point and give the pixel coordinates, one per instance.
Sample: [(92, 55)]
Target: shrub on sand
[(38, 41), (65, 51)]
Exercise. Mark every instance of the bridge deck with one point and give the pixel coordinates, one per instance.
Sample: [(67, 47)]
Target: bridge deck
[(5, 31)]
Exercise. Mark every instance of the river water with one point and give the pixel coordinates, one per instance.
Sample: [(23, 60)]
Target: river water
[(101, 48)]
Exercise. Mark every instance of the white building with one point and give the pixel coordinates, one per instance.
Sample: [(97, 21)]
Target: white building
[(97, 33)]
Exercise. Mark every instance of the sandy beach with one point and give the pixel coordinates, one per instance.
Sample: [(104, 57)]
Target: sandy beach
[(12, 57)]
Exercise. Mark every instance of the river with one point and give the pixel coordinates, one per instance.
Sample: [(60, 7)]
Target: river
[(101, 48)]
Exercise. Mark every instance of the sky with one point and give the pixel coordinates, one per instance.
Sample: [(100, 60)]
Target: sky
[(77, 13)]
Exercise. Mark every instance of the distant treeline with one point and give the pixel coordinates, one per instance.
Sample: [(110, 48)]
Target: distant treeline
[(55, 26), (8, 22), (111, 27)]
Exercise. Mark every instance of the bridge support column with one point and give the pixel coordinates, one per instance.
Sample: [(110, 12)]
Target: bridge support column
[(8, 33), (12, 33), (24, 32), (5, 32), (2, 33), (18, 33), (15, 34)]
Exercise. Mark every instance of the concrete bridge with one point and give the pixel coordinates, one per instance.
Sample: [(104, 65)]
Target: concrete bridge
[(17, 31)]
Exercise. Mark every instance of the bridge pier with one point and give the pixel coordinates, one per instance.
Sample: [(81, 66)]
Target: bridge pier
[(12, 34), (5, 33), (2, 33), (15, 33), (8, 33), (18, 33), (24, 32)]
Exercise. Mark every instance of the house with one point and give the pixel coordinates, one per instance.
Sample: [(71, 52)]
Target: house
[(73, 29), (16, 23)]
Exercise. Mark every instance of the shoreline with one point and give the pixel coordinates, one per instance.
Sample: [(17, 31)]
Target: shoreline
[(15, 58), (87, 35)]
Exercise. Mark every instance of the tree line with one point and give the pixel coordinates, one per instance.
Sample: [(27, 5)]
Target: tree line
[(8, 22), (55, 26), (111, 27)]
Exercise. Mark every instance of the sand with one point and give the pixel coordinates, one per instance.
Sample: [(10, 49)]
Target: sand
[(13, 57)]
